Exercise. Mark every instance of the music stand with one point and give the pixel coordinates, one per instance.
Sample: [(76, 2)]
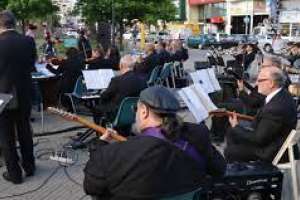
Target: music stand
[(4, 100), (290, 141)]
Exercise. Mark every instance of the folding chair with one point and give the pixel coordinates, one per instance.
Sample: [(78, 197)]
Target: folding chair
[(165, 74), (290, 141), (125, 115), (154, 76), (80, 92)]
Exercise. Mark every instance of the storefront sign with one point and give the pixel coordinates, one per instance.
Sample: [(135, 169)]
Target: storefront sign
[(241, 7), (259, 6), (289, 16), (199, 2)]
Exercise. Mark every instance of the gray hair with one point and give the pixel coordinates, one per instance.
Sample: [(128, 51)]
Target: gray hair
[(275, 61), (278, 76), (127, 61), (7, 20)]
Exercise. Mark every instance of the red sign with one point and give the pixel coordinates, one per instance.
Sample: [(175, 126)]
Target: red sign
[(199, 2), (217, 20)]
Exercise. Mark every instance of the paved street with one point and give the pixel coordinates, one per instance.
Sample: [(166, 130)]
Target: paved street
[(52, 181)]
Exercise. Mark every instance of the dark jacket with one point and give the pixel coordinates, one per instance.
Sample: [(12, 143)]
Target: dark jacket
[(248, 59), (70, 69), (129, 84), (17, 58), (100, 63), (180, 55), (145, 167), (164, 57), (270, 128), (149, 63)]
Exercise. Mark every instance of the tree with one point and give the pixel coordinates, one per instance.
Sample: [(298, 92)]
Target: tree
[(26, 10), (3, 4), (148, 11)]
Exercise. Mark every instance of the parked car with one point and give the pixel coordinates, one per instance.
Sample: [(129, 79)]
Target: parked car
[(265, 42), (201, 41), (72, 33)]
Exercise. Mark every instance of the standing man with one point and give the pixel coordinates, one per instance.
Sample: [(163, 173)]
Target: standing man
[(17, 57)]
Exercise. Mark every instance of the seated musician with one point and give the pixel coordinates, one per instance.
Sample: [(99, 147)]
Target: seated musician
[(249, 56), (163, 55), (128, 84), (98, 61), (180, 53), (165, 157), (149, 62), (272, 123), (70, 69)]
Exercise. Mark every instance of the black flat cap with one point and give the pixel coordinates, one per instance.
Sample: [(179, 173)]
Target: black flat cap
[(160, 99)]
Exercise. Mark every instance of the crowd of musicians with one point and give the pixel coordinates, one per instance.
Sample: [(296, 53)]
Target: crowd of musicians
[(162, 155)]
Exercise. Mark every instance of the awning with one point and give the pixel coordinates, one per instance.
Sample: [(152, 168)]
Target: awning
[(199, 2)]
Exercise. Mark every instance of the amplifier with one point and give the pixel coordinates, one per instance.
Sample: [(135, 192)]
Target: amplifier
[(245, 181)]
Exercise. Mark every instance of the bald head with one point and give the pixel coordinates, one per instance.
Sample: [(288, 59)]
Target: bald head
[(127, 63)]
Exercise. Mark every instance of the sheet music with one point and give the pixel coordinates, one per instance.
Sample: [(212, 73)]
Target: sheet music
[(207, 80), (98, 79), (41, 68), (213, 79), (197, 101)]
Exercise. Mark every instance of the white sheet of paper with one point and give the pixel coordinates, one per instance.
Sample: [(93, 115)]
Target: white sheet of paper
[(202, 77), (98, 79), (198, 111), (42, 69), (204, 98), (197, 101), (1, 102), (213, 79)]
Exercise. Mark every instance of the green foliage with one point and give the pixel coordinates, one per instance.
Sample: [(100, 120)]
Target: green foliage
[(148, 10), (31, 9)]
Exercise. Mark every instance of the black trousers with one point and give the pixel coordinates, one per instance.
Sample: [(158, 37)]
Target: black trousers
[(13, 124)]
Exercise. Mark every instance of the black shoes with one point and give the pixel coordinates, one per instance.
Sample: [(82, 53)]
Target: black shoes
[(7, 177)]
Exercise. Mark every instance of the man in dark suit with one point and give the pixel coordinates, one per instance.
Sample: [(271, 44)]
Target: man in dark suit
[(17, 57), (165, 158), (163, 55), (128, 84), (271, 126), (150, 61)]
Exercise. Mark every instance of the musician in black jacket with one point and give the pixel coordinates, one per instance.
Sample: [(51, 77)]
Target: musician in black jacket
[(149, 62), (271, 126), (163, 55), (165, 158), (17, 58), (69, 69), (128, 84)]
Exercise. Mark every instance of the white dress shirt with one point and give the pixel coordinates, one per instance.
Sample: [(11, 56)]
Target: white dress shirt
[(271, 95)]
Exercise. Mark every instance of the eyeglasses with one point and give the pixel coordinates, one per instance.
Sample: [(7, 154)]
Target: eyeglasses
[(262, 80)]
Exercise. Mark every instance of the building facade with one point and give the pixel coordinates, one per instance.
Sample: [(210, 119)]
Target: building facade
[(230, 16)]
